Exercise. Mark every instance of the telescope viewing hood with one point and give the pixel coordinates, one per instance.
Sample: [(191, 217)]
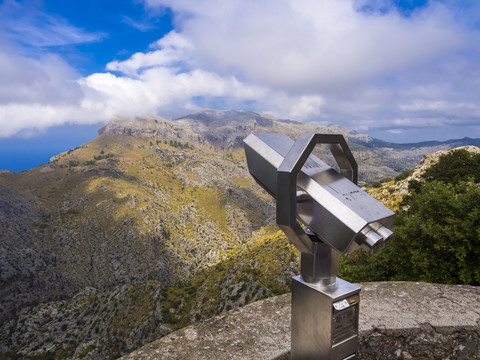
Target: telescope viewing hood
[(327, 202)]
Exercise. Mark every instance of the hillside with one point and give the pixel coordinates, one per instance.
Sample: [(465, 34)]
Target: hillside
[(392, 191), (120, 209), (114, 215), (152, 225)]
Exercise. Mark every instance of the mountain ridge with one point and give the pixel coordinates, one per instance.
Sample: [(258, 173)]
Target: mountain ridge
[(226, 129), (378, 143)]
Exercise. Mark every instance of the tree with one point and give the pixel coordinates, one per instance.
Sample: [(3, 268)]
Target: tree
[(436, 240), (440, 233), (455, 166)]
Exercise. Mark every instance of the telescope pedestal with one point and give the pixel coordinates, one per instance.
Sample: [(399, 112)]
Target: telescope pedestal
[(324, 308), (324, 320)]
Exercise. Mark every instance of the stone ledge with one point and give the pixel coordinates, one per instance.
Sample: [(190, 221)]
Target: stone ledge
[(398, 320)]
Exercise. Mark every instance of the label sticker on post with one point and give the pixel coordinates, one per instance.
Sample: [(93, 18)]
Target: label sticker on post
[(340, 305)]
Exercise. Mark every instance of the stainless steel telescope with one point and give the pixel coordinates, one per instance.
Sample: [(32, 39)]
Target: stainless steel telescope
[(328, 203), (324, 214)]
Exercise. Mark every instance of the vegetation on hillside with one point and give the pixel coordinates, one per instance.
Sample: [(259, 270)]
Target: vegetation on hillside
[(251, 272), (105, 325), (437, 230), (121, 210)]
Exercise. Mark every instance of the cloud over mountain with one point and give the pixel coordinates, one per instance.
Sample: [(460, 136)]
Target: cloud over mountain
[(369, 65)]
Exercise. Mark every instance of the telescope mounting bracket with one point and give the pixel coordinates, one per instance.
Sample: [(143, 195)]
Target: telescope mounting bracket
[(287, 182)]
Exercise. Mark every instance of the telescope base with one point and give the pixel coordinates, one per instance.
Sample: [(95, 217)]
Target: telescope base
[(324, 320)]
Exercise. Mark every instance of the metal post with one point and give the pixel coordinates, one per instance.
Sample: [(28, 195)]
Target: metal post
[(324, 308), (324, 320)]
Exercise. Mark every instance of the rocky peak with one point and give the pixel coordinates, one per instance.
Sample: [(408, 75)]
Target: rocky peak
[(223, 129), (392, 192)]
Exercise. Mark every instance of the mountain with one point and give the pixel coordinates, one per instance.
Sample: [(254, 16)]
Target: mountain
[(225, 131), (379, 144), (394, 158), (124, 210), (152, 225)]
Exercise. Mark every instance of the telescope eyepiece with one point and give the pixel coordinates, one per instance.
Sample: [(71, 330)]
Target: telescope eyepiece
[(373, 237)]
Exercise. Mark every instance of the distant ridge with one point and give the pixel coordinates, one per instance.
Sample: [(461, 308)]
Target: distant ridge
[(377, 143), (226, 129)]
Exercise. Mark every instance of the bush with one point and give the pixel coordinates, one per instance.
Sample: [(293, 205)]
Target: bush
[(437, 239), (454, 167), (403, 175), (441, 233), (379, 183)]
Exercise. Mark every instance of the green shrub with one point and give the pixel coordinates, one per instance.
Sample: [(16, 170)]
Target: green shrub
[(437, 239), (454, 167), (403, 175)]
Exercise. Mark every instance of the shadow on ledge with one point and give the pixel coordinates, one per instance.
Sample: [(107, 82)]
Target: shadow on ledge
[(398, 320)]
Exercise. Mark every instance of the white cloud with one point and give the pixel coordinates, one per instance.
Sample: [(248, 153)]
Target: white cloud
[(312, 45), (23, 22), (46, 80), (141, 26), (174, 49), (361, 63), (37, 93), (35, 117), (159, 90)]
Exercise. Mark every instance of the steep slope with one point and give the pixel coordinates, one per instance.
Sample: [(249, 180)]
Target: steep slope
[(19, 216), (127, 211), (105, 325), (122, 209)]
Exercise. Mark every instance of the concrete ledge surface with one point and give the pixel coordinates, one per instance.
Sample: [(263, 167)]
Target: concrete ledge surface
[(398, 320)]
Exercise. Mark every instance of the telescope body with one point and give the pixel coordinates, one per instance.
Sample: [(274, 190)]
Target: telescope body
[(328, 203)]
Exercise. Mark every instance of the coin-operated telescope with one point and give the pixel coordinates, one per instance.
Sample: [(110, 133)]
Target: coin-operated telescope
[(324, 214)]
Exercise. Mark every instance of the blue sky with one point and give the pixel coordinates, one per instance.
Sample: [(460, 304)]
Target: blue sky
[(402, 71)]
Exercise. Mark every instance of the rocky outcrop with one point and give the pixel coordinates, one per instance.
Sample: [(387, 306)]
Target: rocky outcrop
[(398, 320), (392, 192)]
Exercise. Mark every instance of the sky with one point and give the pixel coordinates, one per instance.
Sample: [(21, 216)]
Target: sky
[(398, 70)]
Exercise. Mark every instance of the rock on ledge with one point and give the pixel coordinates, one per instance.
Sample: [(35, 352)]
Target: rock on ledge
[(398, 320)]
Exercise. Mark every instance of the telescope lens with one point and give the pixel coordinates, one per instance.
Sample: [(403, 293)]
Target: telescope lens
[(373, 236), (385, 233)]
